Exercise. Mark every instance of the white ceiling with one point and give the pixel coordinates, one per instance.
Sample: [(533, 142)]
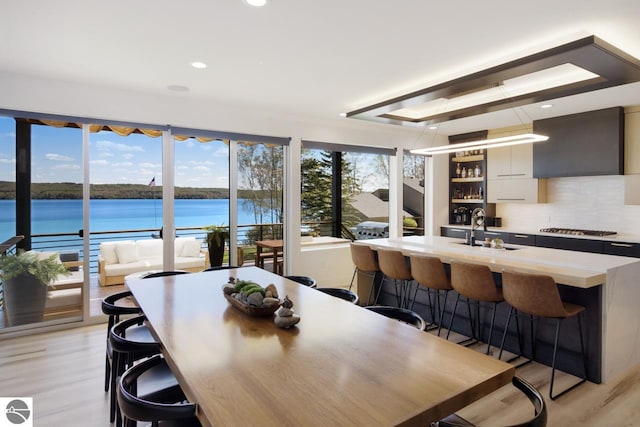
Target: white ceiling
[(310, 57)]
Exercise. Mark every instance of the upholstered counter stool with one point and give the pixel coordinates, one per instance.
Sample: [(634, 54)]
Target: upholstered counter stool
[(429, 273), (366, 262), (538, 295), (394, 266), (475, 282)]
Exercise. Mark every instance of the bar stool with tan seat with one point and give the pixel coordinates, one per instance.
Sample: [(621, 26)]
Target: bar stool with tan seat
[(475, 282), (364, 258), (538, 295), (428, 272), (394, 266)]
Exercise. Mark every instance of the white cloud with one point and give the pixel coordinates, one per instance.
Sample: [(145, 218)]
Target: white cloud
[(201, 169), (99, 162), (128, 156), (149, 165), (66, 167), (117, 146), (123, 164), (8, 161), (107, 154), (58, 157)]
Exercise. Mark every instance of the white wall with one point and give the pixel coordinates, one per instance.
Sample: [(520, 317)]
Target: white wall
[(595, 203)]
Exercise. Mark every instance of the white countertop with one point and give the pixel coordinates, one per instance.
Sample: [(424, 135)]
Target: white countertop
[(620, 237), (580, 269)]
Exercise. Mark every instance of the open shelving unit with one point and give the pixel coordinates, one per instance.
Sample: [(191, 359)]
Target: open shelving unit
[(467, 192)]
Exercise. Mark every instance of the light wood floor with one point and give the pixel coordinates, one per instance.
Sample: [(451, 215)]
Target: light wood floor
[(63, 372)]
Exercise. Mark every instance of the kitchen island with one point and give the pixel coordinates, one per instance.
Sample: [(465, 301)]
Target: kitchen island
[(606, 284)]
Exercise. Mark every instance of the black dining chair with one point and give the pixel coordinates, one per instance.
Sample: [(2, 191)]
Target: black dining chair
[(114, 306), (401, 314), (303, 280), (341, 293), (539, 418), (136, 405), (163, 274), (132, 341)]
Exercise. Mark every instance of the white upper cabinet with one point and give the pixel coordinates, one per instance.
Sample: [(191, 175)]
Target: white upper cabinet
[(510, 171), (510, 162)]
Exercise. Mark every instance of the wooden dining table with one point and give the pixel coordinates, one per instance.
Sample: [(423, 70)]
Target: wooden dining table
[(341, 365), (275, 246)]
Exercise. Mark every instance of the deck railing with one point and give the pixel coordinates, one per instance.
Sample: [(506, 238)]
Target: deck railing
[(247, 235)]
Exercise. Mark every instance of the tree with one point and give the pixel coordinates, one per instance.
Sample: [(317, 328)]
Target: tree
[(260, 169)]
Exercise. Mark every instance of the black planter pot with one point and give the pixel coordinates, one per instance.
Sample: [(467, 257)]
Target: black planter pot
[(216, 255), (24, 300)]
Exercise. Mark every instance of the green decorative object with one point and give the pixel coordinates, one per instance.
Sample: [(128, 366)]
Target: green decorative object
[(217, 235), (25, 278)]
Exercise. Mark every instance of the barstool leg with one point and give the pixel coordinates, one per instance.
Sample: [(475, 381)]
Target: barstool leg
[(379, 290), (355, 271), (553, 362), (493, 319), (453, 315), (504, 334), (444, 305)]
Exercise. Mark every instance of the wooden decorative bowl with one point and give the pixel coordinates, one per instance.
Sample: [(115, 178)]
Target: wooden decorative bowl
[(250, 309)]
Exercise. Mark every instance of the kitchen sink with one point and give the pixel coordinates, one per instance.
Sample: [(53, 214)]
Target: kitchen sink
[(479, 245)]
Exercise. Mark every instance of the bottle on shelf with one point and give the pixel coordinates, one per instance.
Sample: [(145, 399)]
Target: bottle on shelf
[(477, 171), (463, 174), (458, 170)]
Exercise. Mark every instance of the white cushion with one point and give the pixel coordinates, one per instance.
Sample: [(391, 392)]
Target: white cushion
[(149, 248), (108, 252), (126, 252), (179, 244), (189, 262), (191, 248)]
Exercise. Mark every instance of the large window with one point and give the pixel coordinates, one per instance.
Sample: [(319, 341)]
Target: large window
[(340, 189)]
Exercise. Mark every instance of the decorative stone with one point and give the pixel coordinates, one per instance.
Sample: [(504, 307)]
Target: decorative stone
[(287, 303), (284, 312), (271, 291), (255, 299), (286, 322), (228, 289), (270, 301)]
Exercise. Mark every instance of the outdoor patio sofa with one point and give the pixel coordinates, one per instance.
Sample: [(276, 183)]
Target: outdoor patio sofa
[(119, 259)]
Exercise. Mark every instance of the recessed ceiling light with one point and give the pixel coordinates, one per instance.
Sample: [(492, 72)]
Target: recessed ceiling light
[(546, 106), (433, 127), (199, 65), (343, 114), (255, 3)]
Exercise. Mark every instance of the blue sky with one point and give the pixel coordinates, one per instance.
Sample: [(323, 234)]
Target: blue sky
[(133, 159)]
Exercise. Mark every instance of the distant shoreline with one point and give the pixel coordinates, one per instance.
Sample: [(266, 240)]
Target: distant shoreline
[(71, 191)]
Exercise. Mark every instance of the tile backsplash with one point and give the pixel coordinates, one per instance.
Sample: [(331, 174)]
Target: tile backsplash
[(593, 202)]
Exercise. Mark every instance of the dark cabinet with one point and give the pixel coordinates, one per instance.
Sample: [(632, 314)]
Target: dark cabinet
[(621, 248), (458, 233), (572, 244), (523, 239), (583, 144)]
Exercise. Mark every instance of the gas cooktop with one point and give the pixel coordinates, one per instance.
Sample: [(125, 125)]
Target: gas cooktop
[(577, 232)]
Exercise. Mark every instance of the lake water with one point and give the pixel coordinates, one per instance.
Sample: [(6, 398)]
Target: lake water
[(65, 216)]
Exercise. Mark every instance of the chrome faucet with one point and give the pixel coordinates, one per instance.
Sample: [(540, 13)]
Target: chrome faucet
[(477, 219)]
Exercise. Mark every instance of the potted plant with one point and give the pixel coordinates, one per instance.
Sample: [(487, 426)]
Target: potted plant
[(25, 278), (217, 235)]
